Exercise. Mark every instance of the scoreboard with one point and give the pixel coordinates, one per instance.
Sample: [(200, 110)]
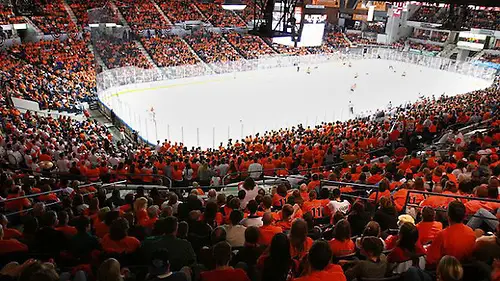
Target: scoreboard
[(311, 21)]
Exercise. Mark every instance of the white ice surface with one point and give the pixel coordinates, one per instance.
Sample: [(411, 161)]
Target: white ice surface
[(237, 105)]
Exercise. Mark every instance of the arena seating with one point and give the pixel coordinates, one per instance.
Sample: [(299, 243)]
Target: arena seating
[(179, 10), (427, 14), (168, 50), (212, 47), (142, 16), (103, 12), (55, 19), (425, 47), (484, 19), (250, 46), (356, 38), (7, 16), (491, 58), (220, 17), (58, 228), (247, 14), (118, 53)]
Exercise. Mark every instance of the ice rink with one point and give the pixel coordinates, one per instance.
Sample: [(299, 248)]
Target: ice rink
[(205, 111)]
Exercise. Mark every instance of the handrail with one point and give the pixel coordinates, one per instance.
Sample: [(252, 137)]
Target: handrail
[(43, 193), (407, 199), (59, 202), (152, 175), (365, 186)]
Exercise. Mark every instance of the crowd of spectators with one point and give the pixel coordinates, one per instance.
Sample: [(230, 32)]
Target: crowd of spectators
[(212, 47), (168, 50), (259, 235), (484, 19), (425, 47), (358, 39), (220, 17), (100, 11), (248, 13), (427, 14), (180, 10), (491, 58), (287, 50), (142, 16), (7, 16), (54, 19), (120, 53), (251, 46)]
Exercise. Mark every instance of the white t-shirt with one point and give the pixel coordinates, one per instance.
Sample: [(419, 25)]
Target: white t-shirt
[(252, 222), (235, 235), (342, 206), (250, 195)]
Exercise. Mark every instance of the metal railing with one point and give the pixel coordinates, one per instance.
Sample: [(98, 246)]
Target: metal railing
[(456, 197), (44, 193), (360, 186), (58, 202)]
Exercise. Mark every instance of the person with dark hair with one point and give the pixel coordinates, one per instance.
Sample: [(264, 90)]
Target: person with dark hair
[(321, 268), (159, 268), (251, 251), (375, 265), (456, 240), (83, 243), (408, 250), (235, 231), (286, 217), (337, 204), (276, 263), (181, 251), (63, 226), (386, 215), (341, 244), (223, 272), (358, 218), (428, 228), (48, 239), (299, 242), (251, 190), (118, 240), (253, 219)]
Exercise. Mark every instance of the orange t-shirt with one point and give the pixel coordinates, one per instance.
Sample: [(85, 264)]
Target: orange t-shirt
[(67, 230), (12, 246), (331, 272), (315, 207), (342, 248), (128, 244), (278, 200), (11, 233), (374, 197), (457, 240), (267, 233), (427, 231), (295, 253)]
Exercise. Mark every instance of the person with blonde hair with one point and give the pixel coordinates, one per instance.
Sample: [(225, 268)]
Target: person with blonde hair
[(140, 210), (110, 271), (449, 269)]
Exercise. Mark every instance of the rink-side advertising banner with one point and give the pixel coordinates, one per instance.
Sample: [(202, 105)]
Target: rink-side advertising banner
[(311, 27)]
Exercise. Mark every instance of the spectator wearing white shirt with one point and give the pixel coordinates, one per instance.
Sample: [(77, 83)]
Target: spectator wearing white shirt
[(63, 163), (252, 219), (235, 232), (251, 191), (255, 169), (337, 204)]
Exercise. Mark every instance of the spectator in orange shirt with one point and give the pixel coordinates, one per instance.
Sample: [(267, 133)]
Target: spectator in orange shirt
[(69, 231), (140, 209), (457, 239), (473, 206), (320, 266), (118, 241), (428, 228), (383, 191), (8, 233), (314, 183), (286, 217), (435, 201), (279, 198), (8, 246), (267, 230), (341, 244), (299, 242)]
